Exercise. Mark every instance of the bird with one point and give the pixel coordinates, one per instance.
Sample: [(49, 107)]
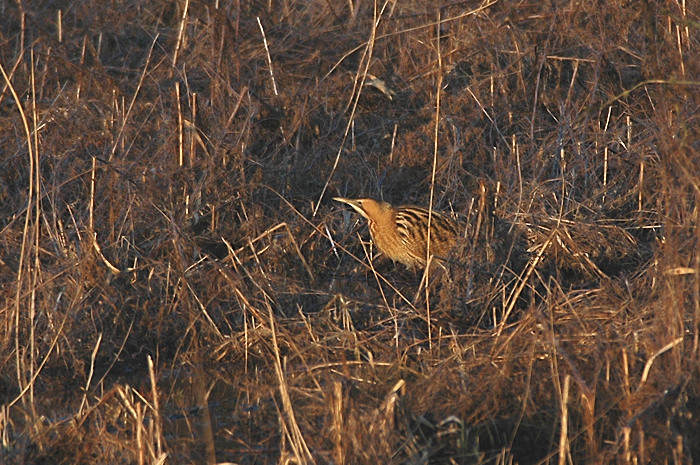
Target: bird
[(401, 233)]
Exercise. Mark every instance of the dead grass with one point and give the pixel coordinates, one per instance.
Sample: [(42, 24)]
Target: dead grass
[(178, 287)]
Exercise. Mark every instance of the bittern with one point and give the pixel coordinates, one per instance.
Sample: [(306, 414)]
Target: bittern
[(401, 233)]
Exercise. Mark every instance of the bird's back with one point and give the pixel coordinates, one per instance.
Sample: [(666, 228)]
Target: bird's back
[(412, 228)]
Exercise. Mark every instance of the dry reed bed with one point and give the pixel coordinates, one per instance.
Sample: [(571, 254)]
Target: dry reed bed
[(177, 286)]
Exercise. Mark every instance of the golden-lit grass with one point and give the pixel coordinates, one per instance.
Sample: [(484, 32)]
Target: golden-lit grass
[(178, 287)]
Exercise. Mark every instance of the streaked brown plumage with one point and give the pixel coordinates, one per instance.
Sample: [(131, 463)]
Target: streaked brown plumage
[(401, 233)]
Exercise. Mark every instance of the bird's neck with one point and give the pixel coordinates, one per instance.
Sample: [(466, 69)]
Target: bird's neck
[(386, 222)]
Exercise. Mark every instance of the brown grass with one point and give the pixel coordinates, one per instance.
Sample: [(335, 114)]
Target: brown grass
[(178, 287)]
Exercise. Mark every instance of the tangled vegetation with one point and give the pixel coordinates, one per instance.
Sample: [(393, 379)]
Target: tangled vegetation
[(179, 287)]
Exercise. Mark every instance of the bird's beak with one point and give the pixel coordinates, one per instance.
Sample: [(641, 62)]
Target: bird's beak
[(353, 203)]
